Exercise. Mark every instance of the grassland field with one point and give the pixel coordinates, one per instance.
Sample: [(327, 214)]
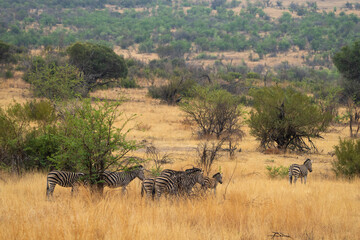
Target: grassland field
[(248, 205)]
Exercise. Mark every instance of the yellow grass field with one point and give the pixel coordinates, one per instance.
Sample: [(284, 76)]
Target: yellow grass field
[(248, 205)]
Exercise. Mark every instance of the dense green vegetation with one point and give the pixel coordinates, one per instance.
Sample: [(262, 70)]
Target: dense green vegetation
[(171, 29), (348, 158), (286, 119)]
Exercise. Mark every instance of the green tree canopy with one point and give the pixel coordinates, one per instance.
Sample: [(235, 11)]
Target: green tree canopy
[(91, 141), (97, 62), (347, 61), (286, 119)]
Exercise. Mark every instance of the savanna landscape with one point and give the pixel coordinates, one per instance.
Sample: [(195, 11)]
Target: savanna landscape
[(155, 93)]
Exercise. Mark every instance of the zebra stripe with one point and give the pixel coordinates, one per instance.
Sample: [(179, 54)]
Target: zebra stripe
[(122, 179), (187, 181), (211, 183), (64, 179), (163, 184), (147, 186), (296, 171)]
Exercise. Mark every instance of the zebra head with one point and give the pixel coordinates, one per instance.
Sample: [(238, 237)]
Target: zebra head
[(218, 177), (139, 171), (308, 164)]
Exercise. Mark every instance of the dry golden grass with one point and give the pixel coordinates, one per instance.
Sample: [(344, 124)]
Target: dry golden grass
[(253, 207)]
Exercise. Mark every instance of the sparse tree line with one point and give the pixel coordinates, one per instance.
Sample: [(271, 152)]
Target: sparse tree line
[(41, 134), (59, 24)]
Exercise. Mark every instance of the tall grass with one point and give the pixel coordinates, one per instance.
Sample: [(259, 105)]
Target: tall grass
[(253, 208)]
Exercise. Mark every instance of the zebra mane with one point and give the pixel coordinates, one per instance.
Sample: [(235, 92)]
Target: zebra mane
[(133, 168), (192, 170), (216, 174), (307, 160)]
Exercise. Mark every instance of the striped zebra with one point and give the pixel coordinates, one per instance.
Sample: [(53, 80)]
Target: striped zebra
[(211, 183), (164, 184), (187, 181), (122, 179), (62, 178), (301, 171), (147, 186)]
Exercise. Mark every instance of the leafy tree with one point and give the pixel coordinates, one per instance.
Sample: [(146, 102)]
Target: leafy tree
[(91, 141), (286, 118), (347, 61), (97, 62), (57, 82), (6, 53), (215, 111), (348, 158)]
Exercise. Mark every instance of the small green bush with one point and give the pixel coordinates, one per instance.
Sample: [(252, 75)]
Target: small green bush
[(348, 158), (280, 171), (253, 75), (9, 74)]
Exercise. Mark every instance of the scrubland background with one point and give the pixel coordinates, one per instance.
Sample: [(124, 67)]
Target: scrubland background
[(248, 205)]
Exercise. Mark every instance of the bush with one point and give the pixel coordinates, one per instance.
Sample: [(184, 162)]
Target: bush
[(57, 82), (172, 92), (9, 74), (286, 119), (215, 111), (26, 135), (348, 158), (280, 171)]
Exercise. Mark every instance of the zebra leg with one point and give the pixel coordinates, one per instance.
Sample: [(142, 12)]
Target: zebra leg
[(142, 189), (74, 189), (290, 179), (50, 190), (295, 178), (123, 190), (304, 179)]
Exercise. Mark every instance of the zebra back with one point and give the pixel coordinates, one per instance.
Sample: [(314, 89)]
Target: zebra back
[(62, 178), (122, 179)]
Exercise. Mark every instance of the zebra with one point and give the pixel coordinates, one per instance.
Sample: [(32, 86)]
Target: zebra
[(62, 178), (301, 171), (122, 179), (147, 186), (163, 184), (185, 182), (211, 183)]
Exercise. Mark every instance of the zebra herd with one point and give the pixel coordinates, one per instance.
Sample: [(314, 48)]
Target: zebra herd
[(169, 182)]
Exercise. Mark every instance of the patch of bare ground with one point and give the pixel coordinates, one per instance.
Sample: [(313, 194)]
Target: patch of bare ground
[(14, 89), (238, 58)]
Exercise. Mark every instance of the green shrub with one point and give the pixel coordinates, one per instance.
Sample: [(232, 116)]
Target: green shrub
[(280, 171), (9, 74), (253, 75), (348, 158), (286, 119), (171, 92)]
